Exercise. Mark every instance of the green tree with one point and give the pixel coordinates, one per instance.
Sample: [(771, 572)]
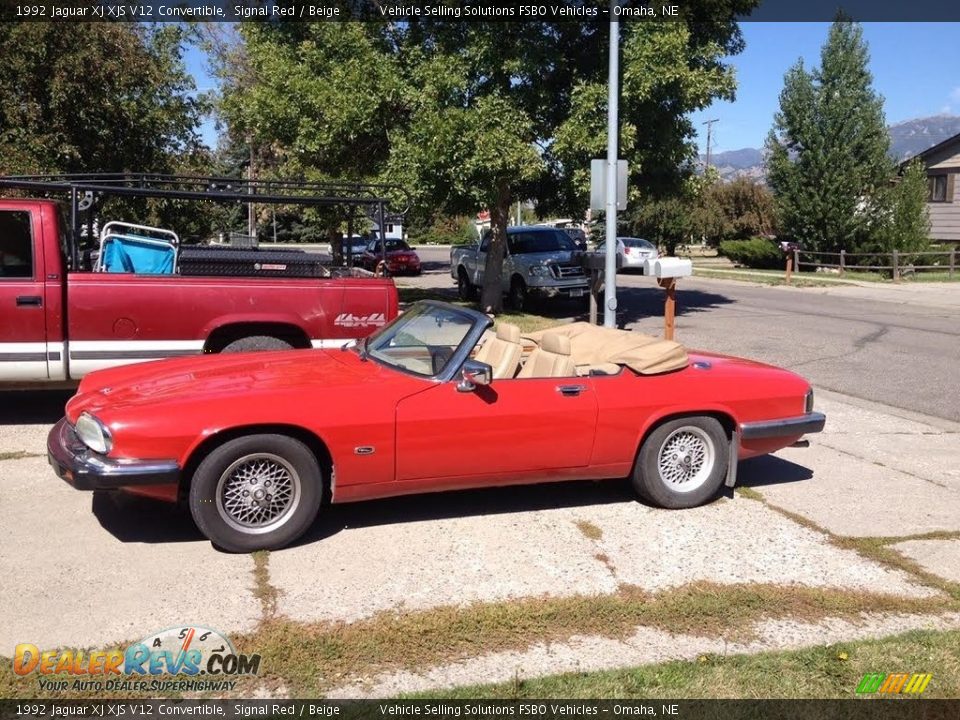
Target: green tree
[(96, 97), (469, 115), (908, 226), (104, 97), (828, 151), (500, 111), (735, 210), (316, 101)]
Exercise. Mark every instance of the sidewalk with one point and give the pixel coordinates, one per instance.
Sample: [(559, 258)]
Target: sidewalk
[(929, 294)]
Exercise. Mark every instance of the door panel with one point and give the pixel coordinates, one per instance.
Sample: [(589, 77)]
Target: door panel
[(23, 327), (510, 426)]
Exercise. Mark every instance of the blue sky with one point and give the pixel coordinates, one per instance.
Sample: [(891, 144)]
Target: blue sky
[(915, 66)]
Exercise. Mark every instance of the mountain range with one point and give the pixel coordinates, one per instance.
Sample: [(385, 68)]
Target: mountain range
[(907, 139)]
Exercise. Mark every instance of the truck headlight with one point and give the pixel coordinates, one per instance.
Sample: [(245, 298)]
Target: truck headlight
[(93, 434), (539, 271)]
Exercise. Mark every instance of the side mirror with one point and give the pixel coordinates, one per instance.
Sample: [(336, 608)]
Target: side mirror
[(472, 374)]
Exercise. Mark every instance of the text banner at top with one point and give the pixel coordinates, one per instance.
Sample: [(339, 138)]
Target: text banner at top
[(399, 11)]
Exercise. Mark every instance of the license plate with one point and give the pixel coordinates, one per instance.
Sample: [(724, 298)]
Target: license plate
[(580, 292)]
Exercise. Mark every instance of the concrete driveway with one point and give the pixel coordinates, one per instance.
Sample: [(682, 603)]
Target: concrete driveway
[(85, 570)]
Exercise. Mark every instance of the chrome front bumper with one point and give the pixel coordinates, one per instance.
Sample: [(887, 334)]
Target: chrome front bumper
[(84, 469)]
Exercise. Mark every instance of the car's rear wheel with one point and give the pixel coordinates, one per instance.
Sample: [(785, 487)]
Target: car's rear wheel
[(682, 462), (258, 492), (465, 289)]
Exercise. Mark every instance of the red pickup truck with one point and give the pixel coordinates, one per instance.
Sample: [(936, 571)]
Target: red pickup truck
[(57, 324)]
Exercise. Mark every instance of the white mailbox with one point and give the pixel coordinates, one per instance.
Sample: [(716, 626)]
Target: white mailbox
[(668, 267)]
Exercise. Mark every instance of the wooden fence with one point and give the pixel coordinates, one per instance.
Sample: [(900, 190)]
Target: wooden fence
[(898, 265)]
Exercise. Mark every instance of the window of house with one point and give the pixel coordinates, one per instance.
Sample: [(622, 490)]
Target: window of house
[(16, 245), (938, 188)]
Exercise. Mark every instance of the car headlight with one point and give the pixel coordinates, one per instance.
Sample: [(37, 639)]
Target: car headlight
[(539, 270), (808, 401), (93, 434)]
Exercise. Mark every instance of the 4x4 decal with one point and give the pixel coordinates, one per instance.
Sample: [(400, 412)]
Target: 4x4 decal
[(351, 320)]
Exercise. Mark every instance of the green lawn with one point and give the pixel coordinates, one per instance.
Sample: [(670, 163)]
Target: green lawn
[(827, 671)]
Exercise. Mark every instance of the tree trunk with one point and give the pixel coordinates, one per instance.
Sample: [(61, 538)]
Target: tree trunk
[(491, 299), (336, 245)]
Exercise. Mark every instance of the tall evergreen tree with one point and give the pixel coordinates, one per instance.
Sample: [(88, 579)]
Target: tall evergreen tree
[(828, 159)]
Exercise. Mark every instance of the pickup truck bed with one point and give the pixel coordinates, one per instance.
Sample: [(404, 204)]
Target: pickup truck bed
[(57, 325)]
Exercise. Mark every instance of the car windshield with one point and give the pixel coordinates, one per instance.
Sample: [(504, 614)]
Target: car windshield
[(539, 241), (637, 243), (396, 245), (422, 340)]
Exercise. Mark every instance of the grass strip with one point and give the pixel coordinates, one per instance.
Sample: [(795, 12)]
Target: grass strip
[(312, 658), (826, 671), (18, 455)]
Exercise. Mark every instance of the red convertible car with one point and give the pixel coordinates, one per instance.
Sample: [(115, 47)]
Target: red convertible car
[(433, 401)]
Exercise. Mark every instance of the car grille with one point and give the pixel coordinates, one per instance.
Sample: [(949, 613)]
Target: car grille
[(567, 271)]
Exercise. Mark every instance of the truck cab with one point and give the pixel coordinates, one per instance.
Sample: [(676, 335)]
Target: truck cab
[(31, 293)]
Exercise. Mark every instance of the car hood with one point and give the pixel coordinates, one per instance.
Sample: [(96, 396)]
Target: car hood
[(206, 378)]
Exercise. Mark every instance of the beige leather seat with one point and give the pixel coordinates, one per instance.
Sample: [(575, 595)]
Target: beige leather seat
[(502, 351), (551, 359)]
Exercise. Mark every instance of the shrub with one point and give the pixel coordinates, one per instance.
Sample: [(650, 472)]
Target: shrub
[(756, 252)]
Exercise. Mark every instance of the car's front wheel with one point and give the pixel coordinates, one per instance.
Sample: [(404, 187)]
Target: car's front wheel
[(517, 297), (466, 290), (682, 462), (258, 492)]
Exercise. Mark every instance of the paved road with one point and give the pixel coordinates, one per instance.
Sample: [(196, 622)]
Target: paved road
[(900, 354), (897, 346)]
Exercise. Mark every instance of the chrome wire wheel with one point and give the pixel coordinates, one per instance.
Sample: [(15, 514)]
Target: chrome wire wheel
[(686, 459), (258, 493)]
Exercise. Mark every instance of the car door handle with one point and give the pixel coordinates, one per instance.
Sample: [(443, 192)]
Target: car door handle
[(27, 300), (571, 390)]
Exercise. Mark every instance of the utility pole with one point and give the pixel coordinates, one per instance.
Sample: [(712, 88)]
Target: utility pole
[(709, 124), (610, 208), (251, 210)]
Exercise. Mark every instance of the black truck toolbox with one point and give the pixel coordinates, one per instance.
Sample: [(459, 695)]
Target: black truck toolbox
[(243, 262)]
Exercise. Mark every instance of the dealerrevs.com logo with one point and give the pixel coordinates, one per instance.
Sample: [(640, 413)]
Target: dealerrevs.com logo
[(198, 657)]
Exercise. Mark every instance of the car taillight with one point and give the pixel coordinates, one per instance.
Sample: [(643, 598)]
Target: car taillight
[(628, 251)]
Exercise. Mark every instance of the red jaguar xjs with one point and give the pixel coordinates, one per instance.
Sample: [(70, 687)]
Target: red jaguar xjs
[(433, 401)]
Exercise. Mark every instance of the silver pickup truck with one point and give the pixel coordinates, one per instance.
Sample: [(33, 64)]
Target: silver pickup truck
[(538, 260)]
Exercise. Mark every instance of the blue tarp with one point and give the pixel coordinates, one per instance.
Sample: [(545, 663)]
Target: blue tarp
[(133, 254)]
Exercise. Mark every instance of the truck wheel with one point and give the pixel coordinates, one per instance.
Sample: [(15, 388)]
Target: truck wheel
[(465, 289), (259, 492), (682, 463), (257, 343), (518, 294)]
